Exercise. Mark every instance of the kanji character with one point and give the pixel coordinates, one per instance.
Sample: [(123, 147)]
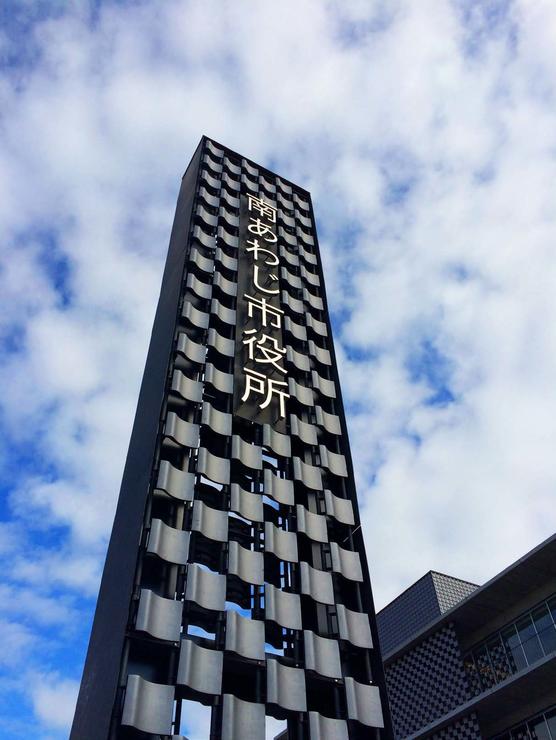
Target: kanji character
[(258, 383), (268, 348)]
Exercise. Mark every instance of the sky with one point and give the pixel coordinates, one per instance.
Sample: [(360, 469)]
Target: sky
[(426, 134)]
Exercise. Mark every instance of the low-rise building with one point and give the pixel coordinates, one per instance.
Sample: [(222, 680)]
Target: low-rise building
[(469, 662)]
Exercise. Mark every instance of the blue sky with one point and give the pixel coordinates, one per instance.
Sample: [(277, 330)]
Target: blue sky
[(426, 133)]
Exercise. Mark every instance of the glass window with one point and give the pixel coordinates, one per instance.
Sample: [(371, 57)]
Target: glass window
[(552, 607), (485, 670), (514, 649), (521, 733), (529, 640), (539, 729), (545, 628), (551, 722), (498, 659), (472, 675)]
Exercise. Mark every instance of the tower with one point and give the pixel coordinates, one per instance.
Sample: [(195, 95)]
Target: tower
[(236, 573)]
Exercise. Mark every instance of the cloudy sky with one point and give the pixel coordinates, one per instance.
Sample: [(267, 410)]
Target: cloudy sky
[(426, 133)]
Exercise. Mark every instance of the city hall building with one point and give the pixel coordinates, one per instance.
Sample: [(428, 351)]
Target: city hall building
[(236, 574), (468, 662)]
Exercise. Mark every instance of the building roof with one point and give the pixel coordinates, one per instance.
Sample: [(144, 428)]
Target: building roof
[(489, 601), (421, 603)]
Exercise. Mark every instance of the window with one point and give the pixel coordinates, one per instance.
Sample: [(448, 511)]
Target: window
[(529, 640), (485, 670), (472, 675), (539, 729), (521, 733), (498, 659), (516, 647), (551, 721), (545, 628)]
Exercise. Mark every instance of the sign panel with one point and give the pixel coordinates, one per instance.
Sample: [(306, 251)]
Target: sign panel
[(261, 377)]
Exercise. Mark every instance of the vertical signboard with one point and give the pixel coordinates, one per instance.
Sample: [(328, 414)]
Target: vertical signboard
[(261, 379)]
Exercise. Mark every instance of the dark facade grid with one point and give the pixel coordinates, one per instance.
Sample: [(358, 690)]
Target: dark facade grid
[(251, 590), (426, 682), (522, 642), (466, 728)]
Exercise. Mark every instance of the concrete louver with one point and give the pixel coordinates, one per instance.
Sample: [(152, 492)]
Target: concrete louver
[(354, 627), (245, 636), (285, 686), (176, 483), (340, 508), (223, 382), (280, 489), (279, 443), (219, 421), (242, 719), (322, 655), (171, 545), (247, 565), (363, 703), (190, 349), (158, 616), (281, 543), (334, 461), (304, 430), (301, 393), (248, 454), (312, 525), (200, 288), (190, 390), (205, 588), (317, 584), (246, 504), (197, 318), (309, 475), (215, 468), (325, 728), (200, 668), (282, 607), (346, 562), (183, 433), (148, 706), (212, 523)]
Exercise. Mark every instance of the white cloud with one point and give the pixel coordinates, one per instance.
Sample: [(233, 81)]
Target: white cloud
[(54, 700), (30, 606), (15, 641), (427, 137)]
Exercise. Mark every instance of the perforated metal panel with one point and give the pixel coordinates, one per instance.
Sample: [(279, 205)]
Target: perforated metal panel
[(427, 682)]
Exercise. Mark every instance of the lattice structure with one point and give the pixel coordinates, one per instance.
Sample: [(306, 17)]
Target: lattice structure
[(250, 589), (426, 682), (450, 591), (424, 601), (466, 728)]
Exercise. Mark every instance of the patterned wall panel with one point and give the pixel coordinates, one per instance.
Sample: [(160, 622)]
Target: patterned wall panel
[(466, 728), (426, 682), (450, 591)]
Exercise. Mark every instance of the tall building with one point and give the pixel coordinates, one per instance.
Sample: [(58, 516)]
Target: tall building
[(236, 573), (465, 662)]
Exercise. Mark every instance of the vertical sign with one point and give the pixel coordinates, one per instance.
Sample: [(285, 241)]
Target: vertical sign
[(261, 382)]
